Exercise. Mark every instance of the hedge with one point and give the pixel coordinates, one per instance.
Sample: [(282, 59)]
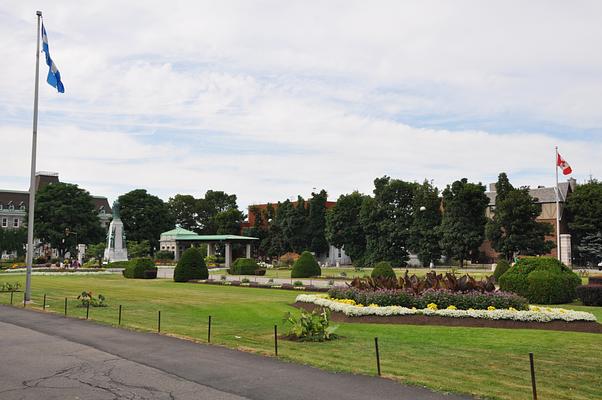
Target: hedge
[(306, 266), (590, 295), (164, 255), (501, 267), (140, 268), (191, 266), (542, 280), (244, 266), (383, 269)]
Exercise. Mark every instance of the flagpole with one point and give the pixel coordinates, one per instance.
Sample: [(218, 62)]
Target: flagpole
[(32, 180), (557, 210)]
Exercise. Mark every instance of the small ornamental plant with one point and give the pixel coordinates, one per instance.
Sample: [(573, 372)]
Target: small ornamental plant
[(86, 298), (310, 327), (10, 287)]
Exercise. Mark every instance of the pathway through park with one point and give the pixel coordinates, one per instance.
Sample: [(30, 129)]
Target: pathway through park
[(48, 356)]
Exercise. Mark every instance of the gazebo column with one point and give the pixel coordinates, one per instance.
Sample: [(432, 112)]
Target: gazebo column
[(176, 252), (228, 254), (248, 250), (211, 249)]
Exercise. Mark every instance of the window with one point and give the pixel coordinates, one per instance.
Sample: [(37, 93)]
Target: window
[(22, 208), (11, 207), (4, 222), (339, 253), (16, 223)]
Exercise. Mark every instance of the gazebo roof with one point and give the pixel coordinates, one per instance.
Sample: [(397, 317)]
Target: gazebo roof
[(180, 233)]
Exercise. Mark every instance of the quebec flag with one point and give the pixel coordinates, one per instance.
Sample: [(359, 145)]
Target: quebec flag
[(54, 76)]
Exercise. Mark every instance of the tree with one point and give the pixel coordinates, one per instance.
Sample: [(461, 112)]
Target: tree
[(343, 227), (191, 266), (387, 219), (317, 222), (145, 217), (96, 251), (585, 207), (214, 203), (424, 232), (13, 240), (184, 208), (64, 215), (138, 249), (514, 227), (228, 221), (294, 224), (463, 222), (590, 248), (274, 245), (259, 229)]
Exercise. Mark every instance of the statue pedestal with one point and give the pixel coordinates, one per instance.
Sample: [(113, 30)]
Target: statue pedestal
[(116, 250)]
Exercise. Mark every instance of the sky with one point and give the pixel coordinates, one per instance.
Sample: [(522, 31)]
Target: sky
[(271, 99)]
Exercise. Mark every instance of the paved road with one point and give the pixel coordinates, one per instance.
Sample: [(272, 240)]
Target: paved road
[(47, 356)]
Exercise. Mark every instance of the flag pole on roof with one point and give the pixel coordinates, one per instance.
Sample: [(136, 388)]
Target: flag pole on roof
[(54, 79)]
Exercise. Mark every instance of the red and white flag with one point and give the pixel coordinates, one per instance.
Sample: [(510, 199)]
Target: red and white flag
[(564, 166)]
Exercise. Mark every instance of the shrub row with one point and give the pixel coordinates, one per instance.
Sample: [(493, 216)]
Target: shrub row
[(443, 298), (590, 295), (140, 268), (243, 266)]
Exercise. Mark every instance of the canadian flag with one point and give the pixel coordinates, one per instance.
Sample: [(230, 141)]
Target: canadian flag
[(564, 166)]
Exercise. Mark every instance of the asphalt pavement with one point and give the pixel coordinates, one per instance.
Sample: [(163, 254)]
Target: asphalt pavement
[(48, 356)]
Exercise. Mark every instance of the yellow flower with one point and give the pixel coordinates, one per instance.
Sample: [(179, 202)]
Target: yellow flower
[(512, 309), (471, 309), (452, 308), (561, 311), (413, 308), (432, 306), (491, 308), (359, 305), (535, 309), (373, 305)]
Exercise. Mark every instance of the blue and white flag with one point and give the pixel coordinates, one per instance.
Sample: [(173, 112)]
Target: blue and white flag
[(54, 76)]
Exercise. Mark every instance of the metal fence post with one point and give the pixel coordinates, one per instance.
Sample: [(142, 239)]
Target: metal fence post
[(377, 355), (276, 340), (209, 331), (533, 384), (119, 323), (44, 305), (88, 310), (65, 306), (159, 321)]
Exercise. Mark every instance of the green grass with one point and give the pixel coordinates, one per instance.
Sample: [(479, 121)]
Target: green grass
[(492, 363)]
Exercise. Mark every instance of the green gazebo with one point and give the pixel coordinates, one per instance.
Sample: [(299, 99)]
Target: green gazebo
[(179, 239)]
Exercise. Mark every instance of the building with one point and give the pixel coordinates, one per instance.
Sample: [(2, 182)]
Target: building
[(546, 197), (334, 256), (14, 203)]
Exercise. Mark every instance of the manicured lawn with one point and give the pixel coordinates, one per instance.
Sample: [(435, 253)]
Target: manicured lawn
[(492, 363)]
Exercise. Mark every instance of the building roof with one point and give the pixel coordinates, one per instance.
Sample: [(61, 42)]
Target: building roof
[(542, 194), (180, 233)]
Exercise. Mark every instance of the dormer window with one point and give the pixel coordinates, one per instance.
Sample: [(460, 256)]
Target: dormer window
[(11, 206)]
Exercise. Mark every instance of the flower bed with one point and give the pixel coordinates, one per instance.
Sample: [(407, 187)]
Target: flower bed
[(443, 298), (535, 314)]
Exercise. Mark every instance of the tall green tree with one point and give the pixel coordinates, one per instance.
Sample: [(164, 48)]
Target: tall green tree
[(387, 219), (585, 207), (259, 229), (184, 208), (13, 240), (213, 203), (145, 217), (590, 248), (96, 251), (463, 222), (344, 228), (317, 222), (273, 245), (228, 222), (514, 227), (425, 234), (64, 215)]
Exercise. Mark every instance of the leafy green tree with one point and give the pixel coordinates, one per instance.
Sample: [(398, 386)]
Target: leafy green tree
[(138, 249), (96, 251), (295, 225), (585, 208), (274, 244), (214, 203), (463, 222), (344, 228), (145, 217), (425, 234), (514, 227), (259, 229), (13, 240), (184, 208), (590, 248), (228, 222), (317, 222), (61, 211)]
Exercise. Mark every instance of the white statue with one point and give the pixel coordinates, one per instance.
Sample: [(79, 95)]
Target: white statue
[(116, 248)]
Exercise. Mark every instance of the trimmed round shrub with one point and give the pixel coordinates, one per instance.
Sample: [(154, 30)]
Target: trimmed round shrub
[(243, 266), (306, 266), (191, 266), (543, 280), (501, 268), (383, 269), (137, 268), (590, 295)]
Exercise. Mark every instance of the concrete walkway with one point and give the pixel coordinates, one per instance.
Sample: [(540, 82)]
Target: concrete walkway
[(48, 356)]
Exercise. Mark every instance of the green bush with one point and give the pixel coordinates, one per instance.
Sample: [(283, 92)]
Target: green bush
[(306, 266), (501, 267), (243, 266), (552, 281), (164, 255), (140, 268), (590, 295), (383, 269), (118, 264), (191, 266), (314, 327)]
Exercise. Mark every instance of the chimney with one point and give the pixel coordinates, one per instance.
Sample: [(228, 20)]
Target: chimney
[(492, 187), (573, 183)]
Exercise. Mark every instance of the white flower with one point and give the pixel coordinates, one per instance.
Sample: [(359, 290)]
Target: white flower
[(534, 314)]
